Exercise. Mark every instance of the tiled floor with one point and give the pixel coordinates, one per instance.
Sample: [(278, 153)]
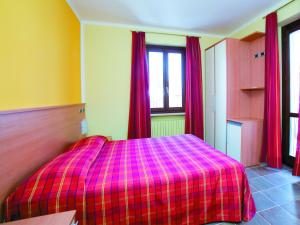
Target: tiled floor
[(276, 194)]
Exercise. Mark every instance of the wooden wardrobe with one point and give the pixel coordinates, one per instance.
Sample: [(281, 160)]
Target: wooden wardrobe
[(234, 97)]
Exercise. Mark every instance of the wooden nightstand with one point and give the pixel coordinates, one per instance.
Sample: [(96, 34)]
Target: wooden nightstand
[(63, 218)]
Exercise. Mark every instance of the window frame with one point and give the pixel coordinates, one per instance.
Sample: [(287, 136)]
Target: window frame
[(286, 114), (165, 50)]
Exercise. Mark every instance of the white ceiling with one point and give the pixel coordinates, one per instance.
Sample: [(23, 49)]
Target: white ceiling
[(219, 17)]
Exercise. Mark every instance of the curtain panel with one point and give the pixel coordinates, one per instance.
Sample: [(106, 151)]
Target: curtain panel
[(271, 152), (193, 95), (139, 125)]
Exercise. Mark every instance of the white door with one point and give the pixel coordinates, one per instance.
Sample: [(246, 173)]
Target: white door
[(221, 92), (210, 96), (234, 136)]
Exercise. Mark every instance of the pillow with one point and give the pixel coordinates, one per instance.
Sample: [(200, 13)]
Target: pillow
[(57, 186), (93, 140)]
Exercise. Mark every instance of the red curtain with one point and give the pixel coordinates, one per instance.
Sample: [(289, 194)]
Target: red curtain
[(271, 152), (139, 125), (193, 95)]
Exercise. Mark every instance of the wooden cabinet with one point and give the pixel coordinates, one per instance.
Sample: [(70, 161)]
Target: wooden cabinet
[(63, 218), (244, 140), (234, 92), (216, 87)]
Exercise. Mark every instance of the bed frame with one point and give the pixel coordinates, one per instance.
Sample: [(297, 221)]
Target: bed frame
[(31, 137)]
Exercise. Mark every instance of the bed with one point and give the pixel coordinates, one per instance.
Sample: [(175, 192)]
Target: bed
[(168, 180)]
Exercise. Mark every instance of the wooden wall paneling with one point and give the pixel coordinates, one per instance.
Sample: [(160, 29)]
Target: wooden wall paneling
[(245, 100), (238, 73), (232, 78), (31, 137), (257, 104), (257, 78), (257, 64), (245, 77)]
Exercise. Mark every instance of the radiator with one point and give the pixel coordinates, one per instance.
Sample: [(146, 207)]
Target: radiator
[(161, 126)]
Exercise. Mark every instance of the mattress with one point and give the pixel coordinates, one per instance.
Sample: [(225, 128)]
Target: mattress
[(168, 180)]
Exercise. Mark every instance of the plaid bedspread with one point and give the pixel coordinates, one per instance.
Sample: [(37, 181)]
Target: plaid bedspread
[(168, 180)]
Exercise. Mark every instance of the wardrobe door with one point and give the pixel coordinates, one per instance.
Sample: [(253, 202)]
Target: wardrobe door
[(210, 96), (221, 92)]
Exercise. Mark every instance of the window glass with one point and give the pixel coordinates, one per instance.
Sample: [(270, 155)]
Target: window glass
[(166, 78), (156, 76), (294, 71), (293, 135), (175, 79)]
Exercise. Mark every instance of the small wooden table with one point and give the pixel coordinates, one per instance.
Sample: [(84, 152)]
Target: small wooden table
[(63, 218)]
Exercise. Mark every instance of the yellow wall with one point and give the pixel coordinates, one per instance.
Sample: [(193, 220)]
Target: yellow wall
[(39, 54), (107, 70), (107, 75), (285, 15)]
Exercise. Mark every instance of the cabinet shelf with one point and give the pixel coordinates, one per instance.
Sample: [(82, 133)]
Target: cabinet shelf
[(244, 120), (252, 88), (252, 37)]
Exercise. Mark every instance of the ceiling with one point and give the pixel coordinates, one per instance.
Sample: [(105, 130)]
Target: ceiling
[(218, 17)]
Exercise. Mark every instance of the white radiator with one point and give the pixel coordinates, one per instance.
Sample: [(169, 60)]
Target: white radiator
[(167, 127)]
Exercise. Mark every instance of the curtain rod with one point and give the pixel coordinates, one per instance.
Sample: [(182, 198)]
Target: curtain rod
[(281, 7), (179, 35)]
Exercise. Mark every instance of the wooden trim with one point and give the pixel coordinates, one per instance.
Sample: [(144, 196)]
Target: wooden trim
[(252, 88), (165, 50), (31, 137), (252, 37), (224, 39), (5, 112)]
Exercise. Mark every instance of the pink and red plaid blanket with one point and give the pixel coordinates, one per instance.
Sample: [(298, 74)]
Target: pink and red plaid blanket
[(168, 180)]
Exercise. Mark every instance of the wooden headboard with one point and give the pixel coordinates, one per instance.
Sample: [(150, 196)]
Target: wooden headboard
[(31, 137)]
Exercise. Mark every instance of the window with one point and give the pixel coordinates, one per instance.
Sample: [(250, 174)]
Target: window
[(290, 89), (167, 78)]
